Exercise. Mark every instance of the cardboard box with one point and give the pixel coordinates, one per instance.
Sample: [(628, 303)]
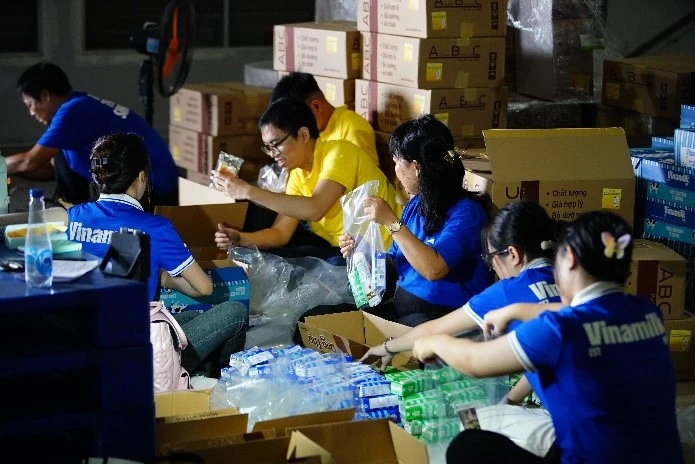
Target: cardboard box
[(352, 333), (181, 403), (193, 446), (656, 85), (196, 224), (658, 274), (327, 48), (229, 283), (281, 424), (433, 63), (219, 108), (297, 448), (337, 91), (372, 441), (465, 111), (433, 18), (196, 151), (567, 171), (679, 333), (196, 191)]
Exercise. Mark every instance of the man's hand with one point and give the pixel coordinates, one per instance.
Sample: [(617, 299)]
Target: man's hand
[(231, 184), (227, 237)]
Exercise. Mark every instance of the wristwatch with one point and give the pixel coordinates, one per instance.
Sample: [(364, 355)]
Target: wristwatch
[(395, 227)]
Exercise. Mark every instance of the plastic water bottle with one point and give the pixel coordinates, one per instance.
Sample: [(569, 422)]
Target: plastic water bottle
[(38, 253)]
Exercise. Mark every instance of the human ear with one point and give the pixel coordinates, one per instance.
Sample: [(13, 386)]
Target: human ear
[(515, 255)]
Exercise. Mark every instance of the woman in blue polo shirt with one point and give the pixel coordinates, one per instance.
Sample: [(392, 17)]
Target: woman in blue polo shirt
[(517, 249), (603, 359), (119, 168)]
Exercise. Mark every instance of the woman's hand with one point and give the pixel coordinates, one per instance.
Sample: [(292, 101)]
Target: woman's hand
[(379, 211), (380, 352), (347, 245), (425, 348), (226, 237), (496, 322), (231, 184)]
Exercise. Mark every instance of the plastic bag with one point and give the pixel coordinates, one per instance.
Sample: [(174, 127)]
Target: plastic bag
[(283, 289), (227, 163), (366, 267), (273, 178)]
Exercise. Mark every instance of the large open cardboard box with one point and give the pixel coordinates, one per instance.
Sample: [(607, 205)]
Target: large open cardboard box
[(567, 171), (353, 333), (367, 442), (658, 274)]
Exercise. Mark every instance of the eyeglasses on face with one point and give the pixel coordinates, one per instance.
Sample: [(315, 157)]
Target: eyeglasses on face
[(274, 149), (487, 257)]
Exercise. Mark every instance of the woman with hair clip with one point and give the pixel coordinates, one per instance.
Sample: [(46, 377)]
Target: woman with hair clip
[(436, 242), (120, 169), (603, 359), (517, 244)]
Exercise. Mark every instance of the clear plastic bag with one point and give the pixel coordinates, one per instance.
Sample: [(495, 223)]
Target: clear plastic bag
[(366, 267), (283, 289), (228, 164), (273, 178)]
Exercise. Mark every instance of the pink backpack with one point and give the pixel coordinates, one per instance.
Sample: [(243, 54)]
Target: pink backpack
[(168, 341)]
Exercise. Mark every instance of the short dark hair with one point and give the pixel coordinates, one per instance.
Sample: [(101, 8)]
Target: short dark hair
[(289, 115), (298, 85), (440, 182), (583, 236), (43, 76), (525, 225), (116, 161)]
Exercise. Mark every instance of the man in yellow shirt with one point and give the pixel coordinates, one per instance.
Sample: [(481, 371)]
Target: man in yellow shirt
[(320, 173), (334, 123)]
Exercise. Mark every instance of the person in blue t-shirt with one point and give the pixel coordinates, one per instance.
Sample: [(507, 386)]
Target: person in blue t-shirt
[(119, 168), (436, 241), (603, 360), (517, 248), (75, 121)]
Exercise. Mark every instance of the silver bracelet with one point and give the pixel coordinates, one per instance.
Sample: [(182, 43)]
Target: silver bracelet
[(386, 347)]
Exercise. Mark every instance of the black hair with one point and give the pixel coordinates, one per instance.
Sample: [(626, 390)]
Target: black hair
[(43, 76), (289, 115), (525, 225), (297, 85), (440, 181), (116, 161), (583, 236)]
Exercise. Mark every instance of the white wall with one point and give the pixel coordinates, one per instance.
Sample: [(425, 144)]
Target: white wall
[(111, 74)]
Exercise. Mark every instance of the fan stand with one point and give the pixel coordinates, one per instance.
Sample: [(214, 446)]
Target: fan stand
[(146, 88)]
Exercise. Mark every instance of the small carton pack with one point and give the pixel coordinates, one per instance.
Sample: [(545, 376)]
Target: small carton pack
[(433, 18), (327, 48), (219, 108), (465, 111), (658, 274), (567, 171), (433, 63)]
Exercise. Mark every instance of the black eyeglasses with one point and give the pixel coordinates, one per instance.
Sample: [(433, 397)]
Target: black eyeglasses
[(274, 149), (487, 257)]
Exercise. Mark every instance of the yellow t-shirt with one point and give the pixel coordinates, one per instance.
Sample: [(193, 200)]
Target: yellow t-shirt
[(345, 124), (344, 163)]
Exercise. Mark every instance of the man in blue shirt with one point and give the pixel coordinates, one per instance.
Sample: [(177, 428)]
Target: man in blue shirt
[(75, 121)]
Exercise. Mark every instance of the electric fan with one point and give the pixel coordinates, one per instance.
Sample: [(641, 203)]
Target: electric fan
[(168, 46)]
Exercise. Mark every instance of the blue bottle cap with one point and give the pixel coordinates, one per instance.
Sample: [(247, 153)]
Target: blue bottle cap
[(35, 193)]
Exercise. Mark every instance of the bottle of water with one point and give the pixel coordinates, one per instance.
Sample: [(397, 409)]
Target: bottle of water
[(38, 253)]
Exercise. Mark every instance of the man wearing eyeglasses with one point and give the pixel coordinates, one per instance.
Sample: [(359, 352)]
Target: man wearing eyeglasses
[(320, 173), (334, 123)]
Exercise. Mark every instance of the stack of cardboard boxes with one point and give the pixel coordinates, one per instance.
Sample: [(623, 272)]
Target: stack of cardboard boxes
[(644, 95), (439, 57), (207, 118)]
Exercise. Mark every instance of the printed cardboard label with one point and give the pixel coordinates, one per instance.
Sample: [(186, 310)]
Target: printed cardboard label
[(679, 340), (438, 20), (611, 198)]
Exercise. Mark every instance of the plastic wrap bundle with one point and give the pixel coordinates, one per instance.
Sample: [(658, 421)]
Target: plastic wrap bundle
[(283, 289), (273, 178)]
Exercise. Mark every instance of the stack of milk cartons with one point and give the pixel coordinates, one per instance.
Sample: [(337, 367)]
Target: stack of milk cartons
[(443, 57), (207, 118), (329, 50), (665, 200)]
